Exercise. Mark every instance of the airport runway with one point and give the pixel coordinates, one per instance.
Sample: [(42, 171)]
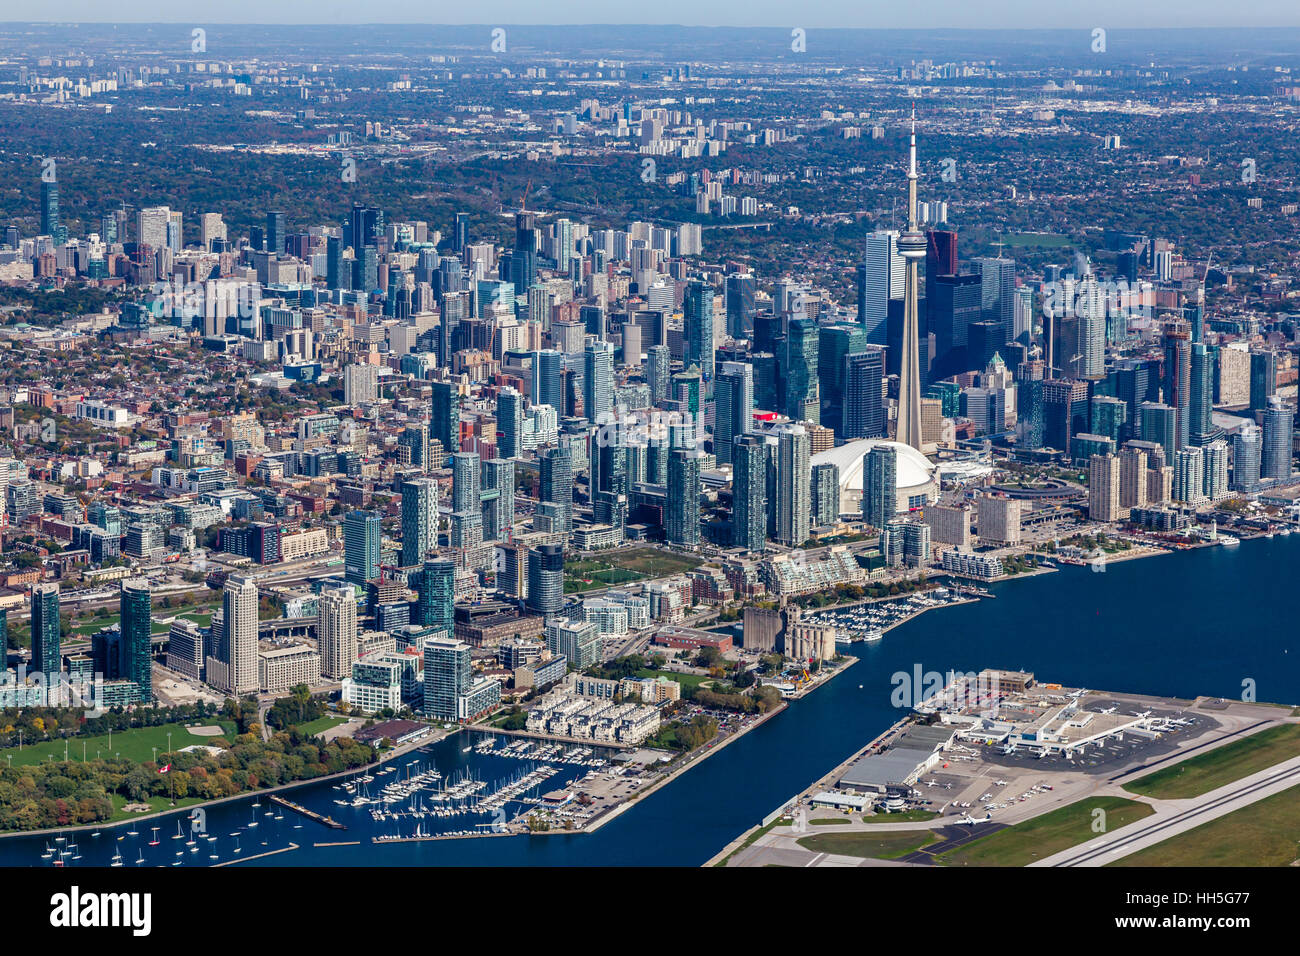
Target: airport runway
[(1173, 817)]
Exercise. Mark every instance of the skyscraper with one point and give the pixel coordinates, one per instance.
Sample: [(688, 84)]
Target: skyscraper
[(465, 492), (548, 380), (1263, 379), (338, 275), (498, 495), (883, 278), (741, 289), (444, 425), (1201, 428), (697, 311), (361, 546), (793, 485), (556, 484), (657, 368), (419, 520), (523, 264), (1103, 489), (834, 344), (447, 676), (911, 246), (598, 380), (1279, 427), (1108, 415), (1132, 478), (863, 399), (336, 632), (1160, 424), (825, 492), (749, 493), (275, 233), (682, 509), (733, 407), (460, 235), (940, 258), (50, 224), (546, 579), (233, 669), (46, 629), (367, 227), (436, 594), (799, 371), (1178, 382), (880, 485), (510, 414), (997, 293), (136, 606), (1247, 458)]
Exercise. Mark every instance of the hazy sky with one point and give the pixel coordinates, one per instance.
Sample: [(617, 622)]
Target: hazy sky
[(969, 14)]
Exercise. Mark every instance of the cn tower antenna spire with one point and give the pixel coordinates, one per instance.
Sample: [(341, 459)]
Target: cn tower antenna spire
[(911, 246), (911, 168)]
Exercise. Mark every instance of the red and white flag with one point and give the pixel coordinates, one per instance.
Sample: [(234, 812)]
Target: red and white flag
[(164, 769)]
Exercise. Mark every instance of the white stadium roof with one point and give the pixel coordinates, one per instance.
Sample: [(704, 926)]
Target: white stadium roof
[(914, 469)]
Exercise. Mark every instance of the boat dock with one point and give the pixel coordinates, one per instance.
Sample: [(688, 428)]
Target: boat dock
[(258, 856), (429, 837), (309, 814)]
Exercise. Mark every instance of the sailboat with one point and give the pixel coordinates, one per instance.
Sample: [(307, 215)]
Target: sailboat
[(117, 858), (154, 841), (237, 846), (180, 834)]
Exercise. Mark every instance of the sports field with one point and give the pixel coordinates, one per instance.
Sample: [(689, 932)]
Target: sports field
[(137, 744)]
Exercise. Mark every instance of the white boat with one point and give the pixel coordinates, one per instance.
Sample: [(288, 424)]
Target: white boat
[(1228, 541), (872, 635)]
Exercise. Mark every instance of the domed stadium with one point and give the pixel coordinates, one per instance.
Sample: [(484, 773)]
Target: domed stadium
[(916, 476)]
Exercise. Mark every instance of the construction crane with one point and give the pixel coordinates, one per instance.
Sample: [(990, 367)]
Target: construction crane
[(523, 201)]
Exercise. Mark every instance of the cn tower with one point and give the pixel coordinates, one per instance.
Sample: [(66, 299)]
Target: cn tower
[(911, 246)]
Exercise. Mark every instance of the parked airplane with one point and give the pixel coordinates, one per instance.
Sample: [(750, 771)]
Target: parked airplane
[(970, 821), (1108, 710)]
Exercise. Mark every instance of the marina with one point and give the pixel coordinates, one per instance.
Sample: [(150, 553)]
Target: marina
[(869, 621)]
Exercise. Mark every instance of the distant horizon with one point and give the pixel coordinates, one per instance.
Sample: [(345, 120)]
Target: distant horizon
[(975, 15), (577, 25)]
